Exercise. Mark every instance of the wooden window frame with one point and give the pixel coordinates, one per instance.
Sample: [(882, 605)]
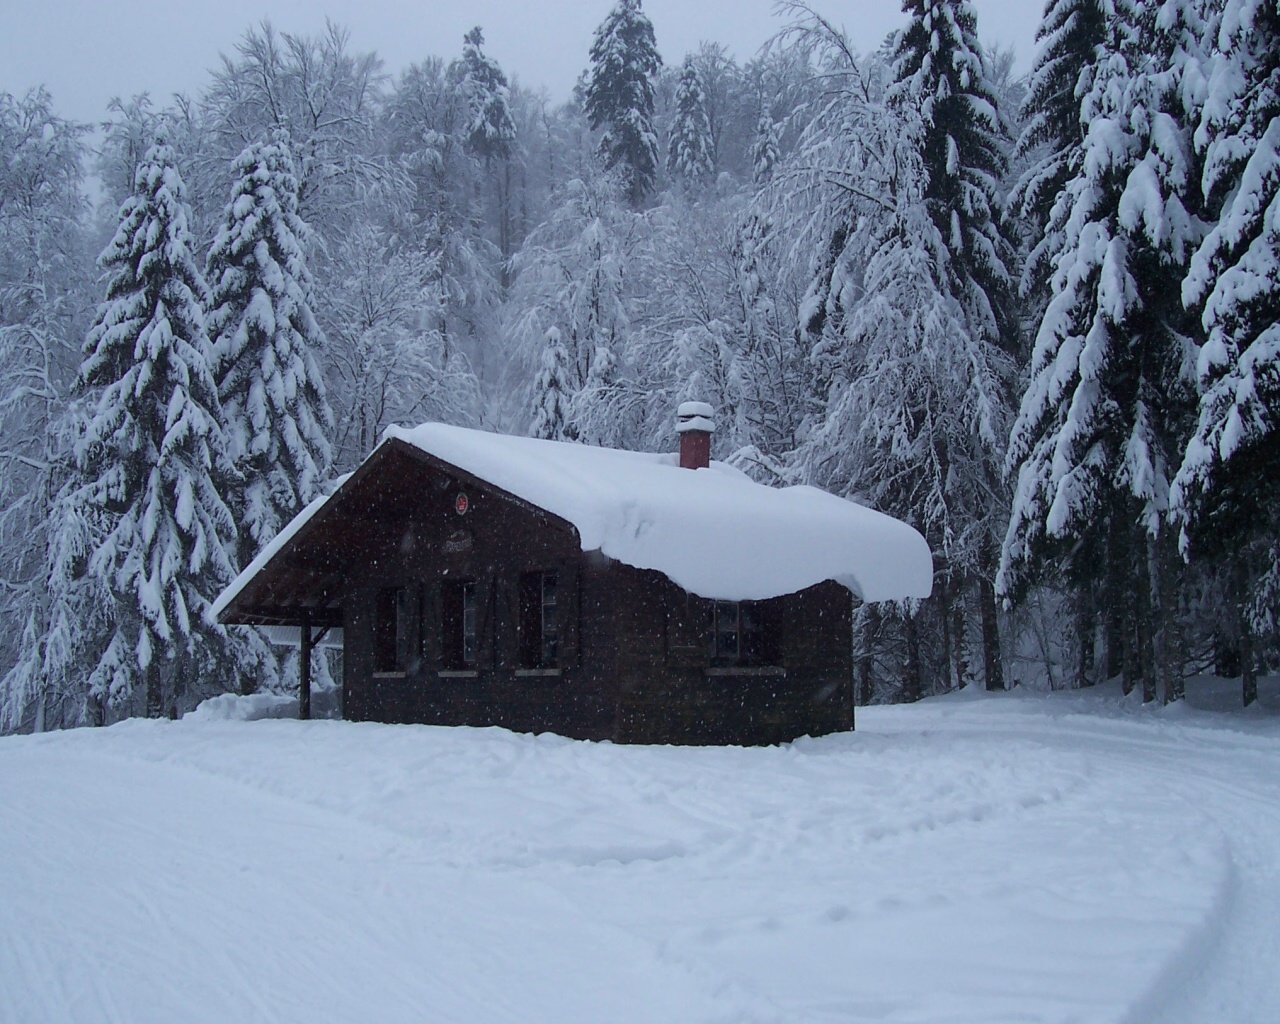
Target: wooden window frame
[(458, 600), (745, 622), (539, 621), (391, 631)]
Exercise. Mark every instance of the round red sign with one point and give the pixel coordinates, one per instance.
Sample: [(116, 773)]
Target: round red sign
[(461, 503)]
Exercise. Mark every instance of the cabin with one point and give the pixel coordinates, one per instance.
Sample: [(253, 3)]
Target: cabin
[(474, 578)]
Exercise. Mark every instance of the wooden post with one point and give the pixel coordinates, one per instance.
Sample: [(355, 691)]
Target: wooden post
[(304, 667)]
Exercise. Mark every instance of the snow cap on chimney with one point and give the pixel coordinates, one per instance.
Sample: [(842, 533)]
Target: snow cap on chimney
[(694, 425)]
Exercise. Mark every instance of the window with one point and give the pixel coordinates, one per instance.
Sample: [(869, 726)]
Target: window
[(459, 624), (390, 630), (737, 633), (539, 621)]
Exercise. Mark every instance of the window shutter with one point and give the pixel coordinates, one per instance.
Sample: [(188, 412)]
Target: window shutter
[(431, 625), (485, 632), (506, 622), (569, 608)]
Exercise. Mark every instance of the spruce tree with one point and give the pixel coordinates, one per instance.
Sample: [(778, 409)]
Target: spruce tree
[(1105, 415), (619, 96), (764, 150), (689, 148), (939, 68), (1049, 151), (490, 131), (940, 71), (552, 394), (150, 453), (1052, 138), (265, 340), (1225, 491)]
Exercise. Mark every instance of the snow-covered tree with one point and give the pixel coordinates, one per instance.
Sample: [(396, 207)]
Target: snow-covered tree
[(325, 97), (1105, 415), (264, 346), (573, 279), (1052, 138), (910, 400), (764, 150), (718, 325), (43, 288), (619, 96), (1225, 491), (151, 455), (689, 147), (552, 398), (940, 70), (387, 361), (426, 131), (940, 73), (490, 131)]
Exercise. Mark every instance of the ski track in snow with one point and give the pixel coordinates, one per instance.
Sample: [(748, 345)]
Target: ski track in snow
[(987, 860)]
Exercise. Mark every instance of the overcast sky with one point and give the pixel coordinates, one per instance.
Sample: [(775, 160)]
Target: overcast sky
[(87, 51)]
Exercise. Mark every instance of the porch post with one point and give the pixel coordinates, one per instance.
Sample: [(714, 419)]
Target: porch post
[(304, 667)]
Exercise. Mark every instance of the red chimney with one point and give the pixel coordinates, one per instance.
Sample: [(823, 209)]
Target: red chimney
[(694, 425)]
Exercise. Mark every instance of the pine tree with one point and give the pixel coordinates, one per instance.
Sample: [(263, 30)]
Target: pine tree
[(764, 150), (689, 148), (1053, 136), (151, 450), (1105, 414), (491, 132), (265, 340), (1224, 494), (619, 96), (939, 69), (552, 394)]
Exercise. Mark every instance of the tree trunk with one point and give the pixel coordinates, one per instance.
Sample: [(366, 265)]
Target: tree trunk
[(1086, 634), (1130, 663), (155, 700), (945, 599), (912, 681), (866, 657), (1144, 624), (961, 657), (1162, 563), (1115, 609), (1248, 670), (992, 660), (304, 668)]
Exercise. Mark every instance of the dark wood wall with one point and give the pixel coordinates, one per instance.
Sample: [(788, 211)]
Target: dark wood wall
[(671, 694), (634, 662)]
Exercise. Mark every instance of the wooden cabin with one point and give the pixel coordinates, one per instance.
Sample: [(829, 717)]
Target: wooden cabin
[(486, 580)]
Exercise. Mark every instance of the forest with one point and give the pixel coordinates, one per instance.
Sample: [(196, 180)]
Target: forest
[(1035, 316)]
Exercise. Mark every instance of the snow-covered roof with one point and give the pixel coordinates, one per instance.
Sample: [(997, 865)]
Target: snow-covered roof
[(715, 532)]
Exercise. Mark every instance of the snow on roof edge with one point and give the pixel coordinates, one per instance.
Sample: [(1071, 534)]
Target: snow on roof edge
[(714, 532)]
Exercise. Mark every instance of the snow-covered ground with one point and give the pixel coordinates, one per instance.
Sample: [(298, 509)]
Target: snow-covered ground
[(984, 859)]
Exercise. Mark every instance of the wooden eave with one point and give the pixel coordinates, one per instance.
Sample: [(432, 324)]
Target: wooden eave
[(308, 573)]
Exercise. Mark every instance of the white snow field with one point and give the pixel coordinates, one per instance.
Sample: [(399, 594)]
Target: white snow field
[(1070, 858)]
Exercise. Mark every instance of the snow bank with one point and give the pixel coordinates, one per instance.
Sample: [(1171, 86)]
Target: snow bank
[(234, 707), (713, 531)]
